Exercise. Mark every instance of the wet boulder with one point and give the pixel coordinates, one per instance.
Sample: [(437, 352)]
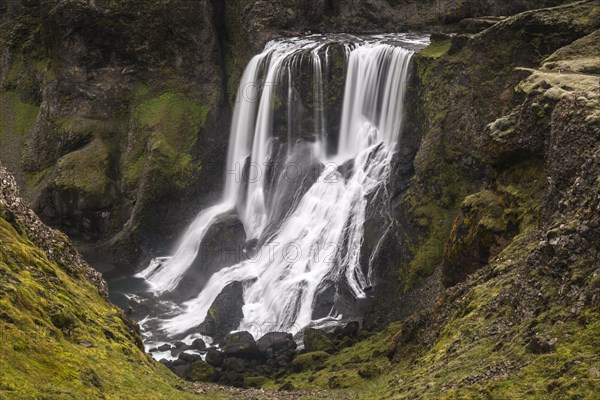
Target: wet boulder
[(222, 247), (214, 357), (198, 344), (225, 313), (164, 347), (189, 357), (236, 364)]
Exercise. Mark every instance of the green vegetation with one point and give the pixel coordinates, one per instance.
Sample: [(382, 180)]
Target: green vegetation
[(355, 367), (170, 112), (61, 340), (17, 117), (436, 49), (170, 124), (483, 338), (85, 169)]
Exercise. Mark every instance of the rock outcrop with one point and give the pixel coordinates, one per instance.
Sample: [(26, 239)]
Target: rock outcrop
[(475, 98), (115, 108)]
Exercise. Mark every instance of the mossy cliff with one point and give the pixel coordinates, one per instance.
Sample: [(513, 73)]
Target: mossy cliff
[(477, 131), (110, 117), (497, 291), (59, 336)]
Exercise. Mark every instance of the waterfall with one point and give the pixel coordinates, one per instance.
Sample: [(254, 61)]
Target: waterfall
[(309, 231)]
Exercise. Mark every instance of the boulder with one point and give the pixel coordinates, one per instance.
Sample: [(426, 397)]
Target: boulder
[(235, 364), (164, 347), (189, 358), (198, 344), (222, 247), (317, 340), (165, 362), (276, 343), (179, 347), (225, 313), (214, 357), (199, 371), (240, 344)]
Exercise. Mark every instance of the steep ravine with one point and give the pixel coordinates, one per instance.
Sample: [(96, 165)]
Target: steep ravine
[(492, 277)]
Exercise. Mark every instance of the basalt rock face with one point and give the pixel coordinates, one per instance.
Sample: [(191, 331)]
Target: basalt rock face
[(264, 19), (475, 98), (225, 314), (115, 109), (116, 112)]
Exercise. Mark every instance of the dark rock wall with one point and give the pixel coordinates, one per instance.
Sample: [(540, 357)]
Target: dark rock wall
[(116, 109), (115, 114), (483, 138)]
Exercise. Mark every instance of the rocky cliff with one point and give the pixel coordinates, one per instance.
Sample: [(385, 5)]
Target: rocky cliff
[(116, 134), (115, 113), (497, 281)]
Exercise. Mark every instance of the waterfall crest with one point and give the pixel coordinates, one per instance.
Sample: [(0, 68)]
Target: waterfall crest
[(303, 235)]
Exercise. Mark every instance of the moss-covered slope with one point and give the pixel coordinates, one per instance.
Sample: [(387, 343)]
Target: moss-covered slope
[(59, 336)]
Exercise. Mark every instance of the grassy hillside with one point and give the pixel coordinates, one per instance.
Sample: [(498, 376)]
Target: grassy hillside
[(59, 337)]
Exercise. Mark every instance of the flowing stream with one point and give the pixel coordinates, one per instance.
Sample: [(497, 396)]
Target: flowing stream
[(300, 173)]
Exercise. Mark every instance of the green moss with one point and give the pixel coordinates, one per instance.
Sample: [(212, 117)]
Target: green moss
[(317, 340), (553, 84), (33, 179), (15, 69), (341, 371), (580, 56), (169, 113), (256, 381), (17, 117), (61, 340), (308, 360), (434, 209), (436, 49), (85, 169), (165, 129), (200, 371), (474, 344), (134, 171), (521, 189)]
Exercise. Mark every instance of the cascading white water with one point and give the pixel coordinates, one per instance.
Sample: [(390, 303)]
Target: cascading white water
[(321, 237)]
